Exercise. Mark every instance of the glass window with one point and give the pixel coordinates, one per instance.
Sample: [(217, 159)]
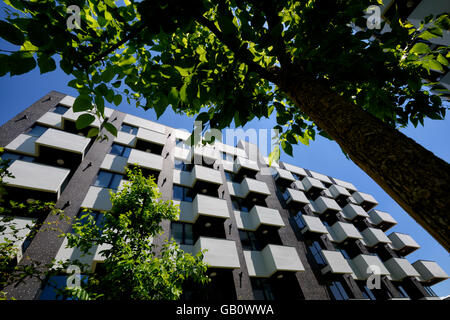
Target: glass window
[(316, 251), (430, 291), (182, 194), (181, 165), (108, 180), (338, 291), (59, 109), (367, 293), (402, 291), (296, 176), (248, 240), (129, 129), (54, 285), (299, 220), (37, 131), (117, 149), (182, 233), (262, 289), (238, 204), (12, 156)]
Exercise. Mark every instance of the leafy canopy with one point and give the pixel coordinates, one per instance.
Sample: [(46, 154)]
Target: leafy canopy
[(222, 60)]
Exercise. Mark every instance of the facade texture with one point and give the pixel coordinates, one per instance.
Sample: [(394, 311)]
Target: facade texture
[(278, 232)]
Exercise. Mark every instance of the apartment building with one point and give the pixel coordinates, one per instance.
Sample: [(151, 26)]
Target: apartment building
[(278, 232)]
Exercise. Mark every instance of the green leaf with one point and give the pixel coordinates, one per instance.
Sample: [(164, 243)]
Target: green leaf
[(21, 63), (287, 147), (420, 48), (173, 96), (46, 63), (108, 74), (274, 155), (111, 128), (184, 71), (82, 103), (117, 99), (161, 105), (11, 33), (100, 104), (92, 132), (84, 121)]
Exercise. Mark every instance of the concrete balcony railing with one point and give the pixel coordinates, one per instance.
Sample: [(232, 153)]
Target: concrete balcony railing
[(202, 205), (243, 165), (114, 163), (37, 178), (295, 198), (374, 237), (324, 205), (365, 200), (271, 259), (97, 198), (335, 263), (145, 160), (338, 191), (23, 144), (258, 216), (404, 244), (313, 225), (400, 269), (151, 136), (311, 184), (352, 211), (300, 172), (382, 220), (16, 231), (341, 232), (430, 272), (283, 177), (248, 187), (365, 265), (220, 253)]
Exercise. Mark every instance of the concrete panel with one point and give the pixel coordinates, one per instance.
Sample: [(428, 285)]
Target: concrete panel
[(24, 144)]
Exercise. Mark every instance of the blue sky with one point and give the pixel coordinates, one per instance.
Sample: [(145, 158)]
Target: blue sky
[(324, 156)]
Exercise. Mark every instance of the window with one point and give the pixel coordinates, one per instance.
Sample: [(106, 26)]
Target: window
[(300, 221), (12, 157), (54, 285), (180, 143), (239, 205), (262, 289), (182, 193), (338, 290), (129, 129), (59, 109), (108, 180), (181, 165), (227, 157), (296, 176), (286, 195), (248, 240), (119, 150), (367, 293), (430, 291), (231, 177), (342, 250), (402, 291), (316, 251), (182, 233), (37, 131)]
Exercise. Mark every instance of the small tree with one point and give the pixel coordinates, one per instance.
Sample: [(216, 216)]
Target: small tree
[(132, 268)]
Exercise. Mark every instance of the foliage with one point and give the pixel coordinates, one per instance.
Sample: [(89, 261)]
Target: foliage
[(132, 267), (210, 58)]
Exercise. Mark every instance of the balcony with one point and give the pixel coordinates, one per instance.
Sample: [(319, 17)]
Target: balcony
[(295, 199), (382, 220), (98, 199), (313, 225), (258, 216), (150, 164), (365, 265), (352, 212), (404, 244), (245, 167), (272, 259), (347, 185), (42, 182), (342, 232), (300, 172), (23, 144), (50, 119), (150, 141), (298, 185), (220, 253), (283, 178), (126, 139), (335, 263), (313, 186), (249, 188), (16, 231), (325, 206), (430, 272), (374, 237), (114, 163), (338, 193), (400, 269), (203, 206), (365, 200)]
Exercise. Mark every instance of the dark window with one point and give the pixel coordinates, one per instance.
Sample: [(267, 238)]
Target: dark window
[(182, 233), (430, 291), (316, 251), (181, 144), (12, 157), (402, 291), (83, 215), (182, 193), (59, 109), (108, 180), (248, 240), (119, 150), (181, 165), (54, 285), (129, 129), (231, 177), (338, 291), (262, 289), (300, 221), (37, 131), (367, 293), (342, 250), (296, 176), (238, 204)]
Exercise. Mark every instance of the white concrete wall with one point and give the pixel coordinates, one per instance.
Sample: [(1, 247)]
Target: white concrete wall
[(24, 144)]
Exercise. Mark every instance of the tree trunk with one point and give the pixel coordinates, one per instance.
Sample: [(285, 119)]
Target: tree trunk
[(414, 177)]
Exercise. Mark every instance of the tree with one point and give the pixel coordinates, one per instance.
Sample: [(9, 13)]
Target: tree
[(132, 268), (316, 63)]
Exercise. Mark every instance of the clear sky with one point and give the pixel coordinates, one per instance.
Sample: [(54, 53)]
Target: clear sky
[(323, 156)]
